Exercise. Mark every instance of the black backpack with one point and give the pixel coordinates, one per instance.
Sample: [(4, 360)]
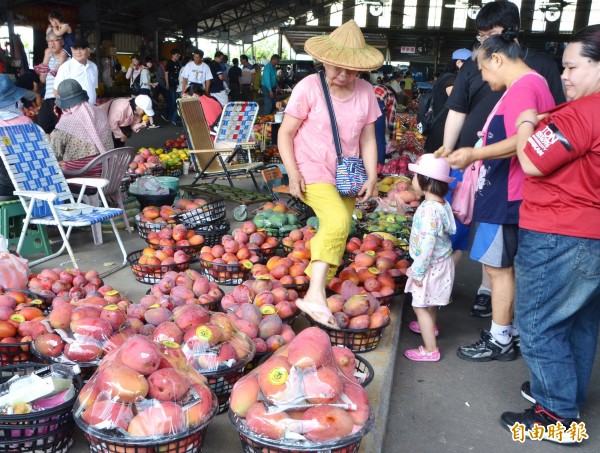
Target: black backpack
[(426, 116), (136, 86)]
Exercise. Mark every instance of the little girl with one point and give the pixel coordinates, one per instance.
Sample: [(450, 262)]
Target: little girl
[(62, 30), (431, 275)]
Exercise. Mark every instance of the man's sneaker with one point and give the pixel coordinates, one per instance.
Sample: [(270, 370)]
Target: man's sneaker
[(537, 423), (517, 343), (483, 306), (526, 392), (487, 348), (153, 126)]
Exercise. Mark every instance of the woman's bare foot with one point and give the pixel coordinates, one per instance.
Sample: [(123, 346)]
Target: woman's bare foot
[(318, 312)]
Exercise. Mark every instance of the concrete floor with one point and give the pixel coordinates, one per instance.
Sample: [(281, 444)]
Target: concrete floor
[(454, 405), (449, 406)]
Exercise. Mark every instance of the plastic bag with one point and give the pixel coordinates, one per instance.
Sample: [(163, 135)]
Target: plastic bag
[(395, 205), (302, 395), (463, 197), (215, 344), (148, 185), (144, 390), (14, 270)]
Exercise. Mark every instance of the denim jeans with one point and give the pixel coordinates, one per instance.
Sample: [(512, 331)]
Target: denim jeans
[(171, 108), (268, 102), (557, 311)]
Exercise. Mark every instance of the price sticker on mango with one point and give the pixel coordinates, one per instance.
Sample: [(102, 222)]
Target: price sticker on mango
[(170, 344), (278, 376), (267, 310), (204, 334), (17, 318)]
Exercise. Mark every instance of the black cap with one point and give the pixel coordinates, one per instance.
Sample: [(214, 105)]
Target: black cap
[(80, 43)]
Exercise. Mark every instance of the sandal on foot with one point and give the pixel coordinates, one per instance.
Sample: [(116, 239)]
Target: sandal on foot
[(421, 355), (414, 326), (318, 313)]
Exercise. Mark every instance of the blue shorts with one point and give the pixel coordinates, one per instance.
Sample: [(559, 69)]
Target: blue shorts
[(495, 245)]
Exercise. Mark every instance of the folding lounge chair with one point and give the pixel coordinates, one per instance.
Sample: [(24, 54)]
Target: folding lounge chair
[(236, 124), (43, 190)]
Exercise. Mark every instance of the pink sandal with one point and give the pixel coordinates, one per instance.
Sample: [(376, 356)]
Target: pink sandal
[(421, 355), (414, 326)]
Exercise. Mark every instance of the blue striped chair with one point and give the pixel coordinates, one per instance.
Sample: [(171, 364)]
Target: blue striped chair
[(43, 190)]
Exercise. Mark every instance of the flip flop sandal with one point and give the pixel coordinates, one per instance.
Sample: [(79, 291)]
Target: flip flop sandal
[(314, 310), (414, 327), (420, 355)]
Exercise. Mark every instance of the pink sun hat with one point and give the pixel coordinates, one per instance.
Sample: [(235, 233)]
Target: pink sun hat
[(436, 168)]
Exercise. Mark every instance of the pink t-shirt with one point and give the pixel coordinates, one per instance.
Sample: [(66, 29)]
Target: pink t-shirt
[(314, 149)]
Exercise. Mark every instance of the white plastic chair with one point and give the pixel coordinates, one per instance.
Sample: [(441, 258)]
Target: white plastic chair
[(114, 166), (44, 192)]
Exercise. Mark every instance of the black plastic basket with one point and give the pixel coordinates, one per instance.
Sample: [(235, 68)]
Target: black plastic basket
[(385, 301), (254, 443), (214, 232), (146, 227), (364, 370), (259, 359), (47, 431), (273, 159), (256, 155), (221, 382), (211, 306), (42, 302), (211, 212), (154, 200), (400, 282), (224, 273), (13, 353), (190, 441), (150, 274), (268, 252), (192, 250), (357, 340), (176, 172), (300, 288)]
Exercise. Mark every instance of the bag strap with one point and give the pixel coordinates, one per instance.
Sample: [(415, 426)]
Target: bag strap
[(334, 128)]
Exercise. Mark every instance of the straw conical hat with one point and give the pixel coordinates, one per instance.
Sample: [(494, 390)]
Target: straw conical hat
[(345, 48)]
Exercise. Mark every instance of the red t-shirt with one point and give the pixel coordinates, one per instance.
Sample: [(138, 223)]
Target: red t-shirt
[(566, 148)]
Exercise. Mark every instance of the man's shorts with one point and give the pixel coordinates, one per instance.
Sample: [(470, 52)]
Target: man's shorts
[(495, 245)]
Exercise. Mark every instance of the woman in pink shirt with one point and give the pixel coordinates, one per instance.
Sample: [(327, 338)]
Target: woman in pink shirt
[(308, 152)]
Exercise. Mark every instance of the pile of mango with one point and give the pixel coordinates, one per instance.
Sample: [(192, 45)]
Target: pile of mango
[(388, 183)]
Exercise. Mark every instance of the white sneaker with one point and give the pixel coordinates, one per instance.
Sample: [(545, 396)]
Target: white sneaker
[(153, 126)]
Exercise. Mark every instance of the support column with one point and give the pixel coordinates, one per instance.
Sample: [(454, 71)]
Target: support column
[(582, 15), (10, 21)]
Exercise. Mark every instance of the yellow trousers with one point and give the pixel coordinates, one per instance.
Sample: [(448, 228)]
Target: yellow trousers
[(335, 217)]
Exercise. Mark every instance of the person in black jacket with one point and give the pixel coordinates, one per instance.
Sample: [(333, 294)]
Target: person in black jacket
[(441, 91)]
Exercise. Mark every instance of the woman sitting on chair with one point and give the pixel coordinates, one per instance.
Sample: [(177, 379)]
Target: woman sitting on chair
[(210, 106), (82, 131)]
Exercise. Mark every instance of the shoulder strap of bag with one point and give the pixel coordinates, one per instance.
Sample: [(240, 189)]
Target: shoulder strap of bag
[(336, 135)]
